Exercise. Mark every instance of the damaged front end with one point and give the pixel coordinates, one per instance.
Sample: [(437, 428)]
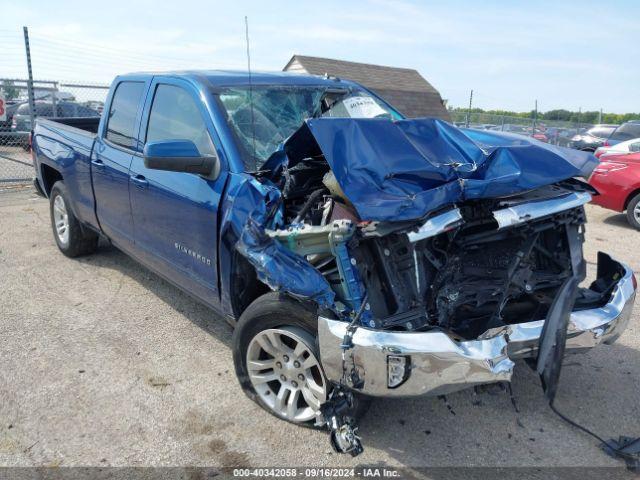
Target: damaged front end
[(452, 302), (436, 257)]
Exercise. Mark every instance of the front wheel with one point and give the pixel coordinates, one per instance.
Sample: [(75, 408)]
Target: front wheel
[(72, 239), (633, 212), (277, 360)]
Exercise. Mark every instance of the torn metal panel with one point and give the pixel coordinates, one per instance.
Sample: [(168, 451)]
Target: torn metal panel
[(518, 214), (258, 206), (327, 241), (554, 333), (437, 225), (402, 170)]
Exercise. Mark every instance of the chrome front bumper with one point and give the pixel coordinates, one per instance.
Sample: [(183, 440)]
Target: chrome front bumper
[(437, 364)]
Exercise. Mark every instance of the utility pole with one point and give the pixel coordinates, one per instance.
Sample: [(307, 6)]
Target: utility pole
[(32, 104), (579, 118), (600, 117), (535, 118), (469, 111), (54, 100)]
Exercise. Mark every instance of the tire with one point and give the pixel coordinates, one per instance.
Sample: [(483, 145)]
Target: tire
[(633, 212), (276, 315), (72, 239)]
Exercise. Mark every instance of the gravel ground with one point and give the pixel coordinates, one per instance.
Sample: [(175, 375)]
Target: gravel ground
[(103, 363)]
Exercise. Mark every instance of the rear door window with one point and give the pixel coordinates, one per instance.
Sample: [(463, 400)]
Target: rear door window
[(123, 112)]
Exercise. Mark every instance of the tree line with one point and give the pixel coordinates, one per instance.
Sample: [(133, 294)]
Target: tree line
[(591, 117), (9, 90)]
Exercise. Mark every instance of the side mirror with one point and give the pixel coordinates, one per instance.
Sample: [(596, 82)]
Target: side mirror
[(177, 156)]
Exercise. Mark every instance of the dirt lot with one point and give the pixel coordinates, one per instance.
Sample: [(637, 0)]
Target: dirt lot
[(103, 363)]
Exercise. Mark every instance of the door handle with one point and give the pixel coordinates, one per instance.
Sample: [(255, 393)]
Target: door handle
[(139, 181), (96, 162)]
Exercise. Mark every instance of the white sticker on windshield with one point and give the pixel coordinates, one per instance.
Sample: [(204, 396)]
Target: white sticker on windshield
[(363, 107)]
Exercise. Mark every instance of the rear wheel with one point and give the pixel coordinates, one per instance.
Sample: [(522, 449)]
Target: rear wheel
[(633, 212), (72, 239), (277, 360)]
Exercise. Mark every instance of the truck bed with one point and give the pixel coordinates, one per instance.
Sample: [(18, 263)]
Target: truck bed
[(88, 124), (65, 145)]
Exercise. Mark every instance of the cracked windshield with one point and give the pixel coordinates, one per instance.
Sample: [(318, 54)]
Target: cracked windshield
[(279, 111)]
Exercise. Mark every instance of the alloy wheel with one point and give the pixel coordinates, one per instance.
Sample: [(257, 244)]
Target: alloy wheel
[(286, 374), (61, 219)]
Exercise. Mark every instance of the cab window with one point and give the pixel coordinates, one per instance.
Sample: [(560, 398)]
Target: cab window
[(175, 116), (123, 112)]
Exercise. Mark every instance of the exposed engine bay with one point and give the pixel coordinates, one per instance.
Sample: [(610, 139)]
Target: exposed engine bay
[(466, 280)]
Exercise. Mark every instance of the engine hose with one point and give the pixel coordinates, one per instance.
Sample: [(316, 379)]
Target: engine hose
[(307, 205)]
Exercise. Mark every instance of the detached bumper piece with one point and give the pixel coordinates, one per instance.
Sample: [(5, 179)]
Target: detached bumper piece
[(626, 448), (405, 364)]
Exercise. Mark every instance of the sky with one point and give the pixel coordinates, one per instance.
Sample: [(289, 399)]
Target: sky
[(571, 54)]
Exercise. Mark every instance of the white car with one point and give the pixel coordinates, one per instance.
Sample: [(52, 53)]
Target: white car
[(630, 146)]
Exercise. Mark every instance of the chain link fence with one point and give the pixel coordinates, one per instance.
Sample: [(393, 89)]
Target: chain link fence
[(549, 131), (52, 99)]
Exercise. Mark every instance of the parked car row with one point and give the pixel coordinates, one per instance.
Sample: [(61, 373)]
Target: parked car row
[(585, 139), (606, 136), (553, 135)]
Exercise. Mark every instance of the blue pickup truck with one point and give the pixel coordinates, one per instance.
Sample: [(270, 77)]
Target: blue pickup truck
[(356, 253)]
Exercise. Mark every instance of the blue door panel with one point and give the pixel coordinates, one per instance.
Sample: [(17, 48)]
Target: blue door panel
[(175, 224), (110, 163), (110, 173)]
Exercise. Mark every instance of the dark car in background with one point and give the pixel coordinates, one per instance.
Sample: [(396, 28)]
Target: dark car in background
[(593, 138), (5, 125), (559, 135), (21, 121), (627, 131), (519, 129)]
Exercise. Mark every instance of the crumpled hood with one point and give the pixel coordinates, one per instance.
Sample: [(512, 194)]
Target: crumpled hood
[(402, 170)]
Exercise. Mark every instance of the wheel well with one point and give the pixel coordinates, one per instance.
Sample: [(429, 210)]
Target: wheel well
[(49, 176), (631, 195), (245, 286)]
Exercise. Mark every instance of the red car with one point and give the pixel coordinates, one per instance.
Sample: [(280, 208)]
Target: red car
[(617, 179)]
